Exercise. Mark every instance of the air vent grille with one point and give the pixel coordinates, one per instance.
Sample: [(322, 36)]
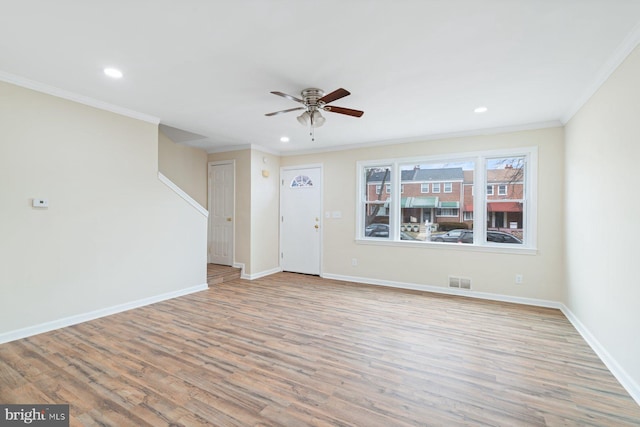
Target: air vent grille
[(460, 282)]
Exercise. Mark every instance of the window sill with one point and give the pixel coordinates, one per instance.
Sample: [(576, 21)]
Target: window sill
[(501, 249)]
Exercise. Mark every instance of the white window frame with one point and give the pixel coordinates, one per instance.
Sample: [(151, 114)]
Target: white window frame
[(480, 158), (448, 212), (490, 192), (467, 216), (435, 187), (424, 187), (449, 185), (387, 188), (500, 188)]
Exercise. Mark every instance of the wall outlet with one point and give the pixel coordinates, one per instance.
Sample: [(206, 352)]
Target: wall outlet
[(40, 203), (519, 279), (354, 262)]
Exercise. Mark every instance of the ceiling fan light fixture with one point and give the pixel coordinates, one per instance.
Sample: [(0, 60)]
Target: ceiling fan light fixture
[(304, 119), (318, 120)]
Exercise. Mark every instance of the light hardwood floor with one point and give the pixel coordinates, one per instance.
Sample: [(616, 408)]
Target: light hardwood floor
[(296, 350)]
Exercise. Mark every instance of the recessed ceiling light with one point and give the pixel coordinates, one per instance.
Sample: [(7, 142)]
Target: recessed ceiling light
[(284, 139), (481, 109), (113, 73)]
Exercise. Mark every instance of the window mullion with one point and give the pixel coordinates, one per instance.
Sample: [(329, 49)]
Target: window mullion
[(396, 197), (479, 201)]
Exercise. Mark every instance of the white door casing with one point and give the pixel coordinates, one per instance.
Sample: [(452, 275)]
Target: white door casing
[(221, 212), (301, 219)]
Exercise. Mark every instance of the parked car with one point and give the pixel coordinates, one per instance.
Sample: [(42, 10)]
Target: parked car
[(382, 230), (377, 230), (451, 236), (466, 236)]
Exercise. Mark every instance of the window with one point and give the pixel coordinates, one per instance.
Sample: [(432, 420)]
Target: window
[(375, 208), (301, 181), (447, 212), (505, 216), (429, 194)]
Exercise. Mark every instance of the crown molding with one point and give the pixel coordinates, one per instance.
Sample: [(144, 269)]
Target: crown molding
[(619, 55), (451, 135), (71, 96)]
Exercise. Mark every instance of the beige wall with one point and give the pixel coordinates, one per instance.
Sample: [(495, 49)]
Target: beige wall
[(602, 214), (265, 200), (113, 233), (257, 207), (490, 272), (242, 225), (185, 166)]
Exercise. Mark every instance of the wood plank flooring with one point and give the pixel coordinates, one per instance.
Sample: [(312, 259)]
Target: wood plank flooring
[(296, 350), (221, 273)]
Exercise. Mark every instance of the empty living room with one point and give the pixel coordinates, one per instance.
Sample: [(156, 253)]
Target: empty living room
[(286, 213)]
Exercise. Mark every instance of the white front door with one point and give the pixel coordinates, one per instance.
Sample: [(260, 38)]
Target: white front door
[(221, 213), (300, 217)]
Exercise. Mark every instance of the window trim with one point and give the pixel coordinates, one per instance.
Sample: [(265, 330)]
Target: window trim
[(444, 187), (500, 187), (422, 188), (433, 188), (479, 198)]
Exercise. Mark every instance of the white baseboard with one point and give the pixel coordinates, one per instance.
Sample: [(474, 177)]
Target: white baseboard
[(447, 291), (85, 317), (621, 375), (261, 274)]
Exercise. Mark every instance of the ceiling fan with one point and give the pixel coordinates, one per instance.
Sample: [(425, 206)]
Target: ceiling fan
[(314, 100)]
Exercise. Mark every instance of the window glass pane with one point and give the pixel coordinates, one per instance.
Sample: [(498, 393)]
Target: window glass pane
[(425, 211), (376, 202), (505, 210), (301, 181)]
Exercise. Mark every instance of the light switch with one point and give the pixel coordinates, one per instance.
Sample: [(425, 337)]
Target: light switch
[(336, 214)]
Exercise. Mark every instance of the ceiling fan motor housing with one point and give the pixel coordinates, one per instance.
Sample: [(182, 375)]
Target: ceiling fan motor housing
[(311, 96)]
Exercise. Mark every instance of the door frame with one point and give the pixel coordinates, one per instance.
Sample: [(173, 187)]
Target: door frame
[(232, 242), (319, 166)]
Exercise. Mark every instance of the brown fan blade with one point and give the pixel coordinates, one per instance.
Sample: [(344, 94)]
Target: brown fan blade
[(284, 95), (341, 110), (336, 94), (284, 111)]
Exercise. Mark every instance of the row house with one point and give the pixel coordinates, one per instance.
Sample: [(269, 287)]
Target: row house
[(446, 195)]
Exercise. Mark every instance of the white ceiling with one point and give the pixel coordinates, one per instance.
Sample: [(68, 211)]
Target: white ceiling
[(417, 68)]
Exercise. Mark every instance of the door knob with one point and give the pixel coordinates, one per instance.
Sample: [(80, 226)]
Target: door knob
[(316, 226)]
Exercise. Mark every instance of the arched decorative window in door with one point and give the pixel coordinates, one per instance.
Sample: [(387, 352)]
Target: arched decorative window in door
[(301, 181)]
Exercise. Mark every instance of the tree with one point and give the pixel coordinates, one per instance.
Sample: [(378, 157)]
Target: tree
[(371, 215)]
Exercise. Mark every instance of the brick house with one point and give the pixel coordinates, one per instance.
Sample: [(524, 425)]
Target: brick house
[(446, 195)]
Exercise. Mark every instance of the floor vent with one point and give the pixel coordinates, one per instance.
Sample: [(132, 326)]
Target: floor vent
[(459, 282)]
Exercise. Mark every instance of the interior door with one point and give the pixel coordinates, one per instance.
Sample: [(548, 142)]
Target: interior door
[(300, 216), (221, 213)]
